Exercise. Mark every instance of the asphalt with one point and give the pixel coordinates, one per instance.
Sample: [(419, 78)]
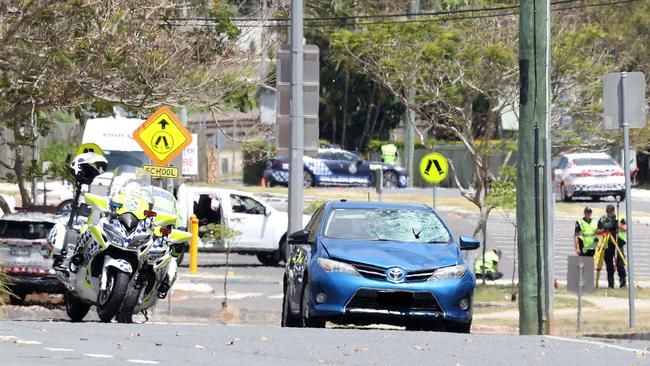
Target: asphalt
[(37, 343)]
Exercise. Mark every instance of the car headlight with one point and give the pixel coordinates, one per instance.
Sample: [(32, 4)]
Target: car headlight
[(333, 266), (448, 273)]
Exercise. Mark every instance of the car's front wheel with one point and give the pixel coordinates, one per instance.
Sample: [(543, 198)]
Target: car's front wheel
[(390, 179), (307, 179), (306, 320), (289, 320)]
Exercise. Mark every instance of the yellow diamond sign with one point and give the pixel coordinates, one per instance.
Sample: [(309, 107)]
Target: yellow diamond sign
[(162, 136)]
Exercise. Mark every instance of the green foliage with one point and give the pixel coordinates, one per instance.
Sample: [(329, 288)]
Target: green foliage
[(5, 290), (255, 155), (68, 57), (502, 195), (313, 206), (218, 232), (56, 154)]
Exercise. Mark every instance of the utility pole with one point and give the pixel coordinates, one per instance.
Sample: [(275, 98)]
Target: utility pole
[(531, 234), (549, 212), (297, 119), (409, 115)]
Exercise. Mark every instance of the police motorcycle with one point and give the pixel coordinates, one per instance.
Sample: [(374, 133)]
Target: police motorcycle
[(111, 251), (157, 275)]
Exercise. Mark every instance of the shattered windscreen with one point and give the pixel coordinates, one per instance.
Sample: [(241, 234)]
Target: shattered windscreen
[(386, 224)]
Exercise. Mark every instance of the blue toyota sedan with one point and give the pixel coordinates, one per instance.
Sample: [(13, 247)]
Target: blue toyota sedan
[(371, 262)]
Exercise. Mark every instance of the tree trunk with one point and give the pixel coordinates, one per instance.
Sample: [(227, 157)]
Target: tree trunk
[(334, 118), (19, 170), (370, 109), (4, 206), (481, 228), (345, 106)]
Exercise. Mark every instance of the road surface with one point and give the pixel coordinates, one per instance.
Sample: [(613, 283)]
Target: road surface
[(90, 344)]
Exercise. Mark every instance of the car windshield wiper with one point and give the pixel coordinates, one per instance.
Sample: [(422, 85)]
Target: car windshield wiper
[(438, 241), (384, 239)]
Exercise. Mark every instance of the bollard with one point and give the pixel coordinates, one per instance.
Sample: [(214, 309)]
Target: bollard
[(379, 183), (194, 243)]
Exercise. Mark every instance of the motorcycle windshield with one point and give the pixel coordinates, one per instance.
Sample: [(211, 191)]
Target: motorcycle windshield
[(131, 191)]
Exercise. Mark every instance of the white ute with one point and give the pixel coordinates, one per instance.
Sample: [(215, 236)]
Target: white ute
[(263, 228)]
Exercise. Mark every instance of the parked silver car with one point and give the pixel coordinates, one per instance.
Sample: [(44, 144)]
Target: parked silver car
[(593, 175)]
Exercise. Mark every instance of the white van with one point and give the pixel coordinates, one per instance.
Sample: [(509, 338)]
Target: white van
[(115, 136)]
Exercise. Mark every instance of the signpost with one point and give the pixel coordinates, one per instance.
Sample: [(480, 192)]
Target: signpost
[(434, 169), (580, 279), (624, 107), (162, 137)]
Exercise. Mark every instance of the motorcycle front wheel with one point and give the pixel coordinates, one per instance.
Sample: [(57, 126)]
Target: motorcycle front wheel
[(110, 300)]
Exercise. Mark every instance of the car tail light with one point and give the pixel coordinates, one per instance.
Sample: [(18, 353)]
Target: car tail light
[(584, 174), (617, 174), (276, 164)]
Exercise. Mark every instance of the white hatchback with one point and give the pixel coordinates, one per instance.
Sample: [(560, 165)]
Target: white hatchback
[(594, 175)]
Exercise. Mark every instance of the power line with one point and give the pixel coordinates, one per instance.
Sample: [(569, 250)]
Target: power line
[(328, 21), (378, 16)]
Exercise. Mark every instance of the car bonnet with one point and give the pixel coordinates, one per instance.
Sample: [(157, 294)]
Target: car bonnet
[(385, 254)]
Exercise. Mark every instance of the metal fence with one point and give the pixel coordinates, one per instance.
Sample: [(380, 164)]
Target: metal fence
[(461, 158)]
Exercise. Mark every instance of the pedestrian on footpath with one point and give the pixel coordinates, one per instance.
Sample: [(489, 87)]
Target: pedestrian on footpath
[(609, 223), (488, 268), (585, 234)]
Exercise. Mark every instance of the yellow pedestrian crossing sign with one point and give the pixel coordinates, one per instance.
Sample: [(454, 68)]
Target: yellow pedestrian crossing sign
[(162, 136), (434, 167)]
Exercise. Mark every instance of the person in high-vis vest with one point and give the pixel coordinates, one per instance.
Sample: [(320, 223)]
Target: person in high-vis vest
[(389, 153), (611, 224), (489, 266), (585, 236), (622, 240)]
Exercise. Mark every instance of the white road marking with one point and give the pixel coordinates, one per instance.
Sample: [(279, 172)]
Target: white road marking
[(98, 355), (7, 338), (638, 351), (144, 361), (59, 349), (20, 341), (241, 295), (279, 296)]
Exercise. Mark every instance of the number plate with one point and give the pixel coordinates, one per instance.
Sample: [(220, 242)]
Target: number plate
[(21, 251)]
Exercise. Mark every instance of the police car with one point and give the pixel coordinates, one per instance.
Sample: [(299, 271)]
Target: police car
[(336, 167)]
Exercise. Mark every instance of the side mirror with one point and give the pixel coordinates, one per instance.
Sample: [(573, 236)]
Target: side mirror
[(162, 219), (299, 237), (468, 243), (267, 212)]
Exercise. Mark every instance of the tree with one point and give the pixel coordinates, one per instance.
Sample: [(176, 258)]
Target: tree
[(503, 197), (68, 55), (464, 74), (228, 237), (354, 108)]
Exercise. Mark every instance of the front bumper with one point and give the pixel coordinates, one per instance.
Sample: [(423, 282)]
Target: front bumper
[(32, 284), (351, 298)]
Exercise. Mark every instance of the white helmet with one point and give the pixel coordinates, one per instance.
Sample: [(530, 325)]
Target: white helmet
[(85, 167)]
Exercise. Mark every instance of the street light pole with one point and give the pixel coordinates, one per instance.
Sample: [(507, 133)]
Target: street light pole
[(297, 119)]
